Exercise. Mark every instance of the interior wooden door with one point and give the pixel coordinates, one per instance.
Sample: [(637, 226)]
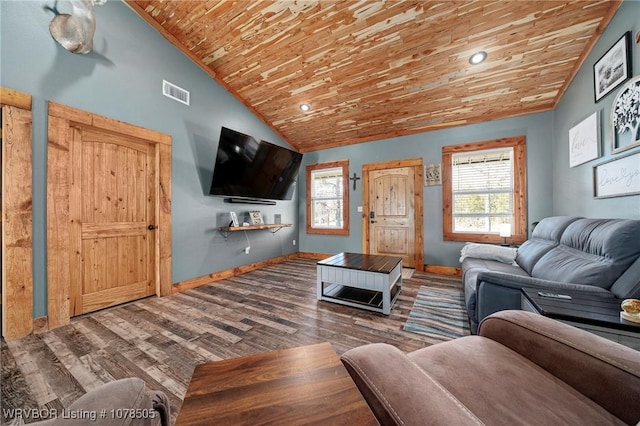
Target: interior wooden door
[(112, 202), (391, 215), (107, 182)]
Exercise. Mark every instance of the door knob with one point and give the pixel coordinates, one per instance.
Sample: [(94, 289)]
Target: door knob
[(151, 227)]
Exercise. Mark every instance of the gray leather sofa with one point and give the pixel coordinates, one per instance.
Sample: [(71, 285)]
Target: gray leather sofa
[(564, 253)]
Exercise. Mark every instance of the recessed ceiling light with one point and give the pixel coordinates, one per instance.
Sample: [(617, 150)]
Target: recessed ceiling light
[(478, 57), (305, 107)]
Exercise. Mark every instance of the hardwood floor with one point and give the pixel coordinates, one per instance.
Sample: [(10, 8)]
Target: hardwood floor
[(161, 340)]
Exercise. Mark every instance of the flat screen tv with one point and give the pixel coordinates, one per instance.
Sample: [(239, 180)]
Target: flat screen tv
[(253, 169)]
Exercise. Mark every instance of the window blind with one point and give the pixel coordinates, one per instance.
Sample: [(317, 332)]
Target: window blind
[(482, 190)]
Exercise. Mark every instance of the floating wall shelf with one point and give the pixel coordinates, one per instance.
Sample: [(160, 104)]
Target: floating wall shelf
[(227, 230)]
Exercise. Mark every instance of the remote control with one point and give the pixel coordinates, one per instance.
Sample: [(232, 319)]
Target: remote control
[(554, 295)]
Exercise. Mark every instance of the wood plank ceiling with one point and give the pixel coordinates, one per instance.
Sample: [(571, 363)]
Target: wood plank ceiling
[(377, 69)]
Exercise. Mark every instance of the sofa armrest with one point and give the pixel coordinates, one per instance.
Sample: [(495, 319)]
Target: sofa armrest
[(606, 372), (396, 389), (498, 291)]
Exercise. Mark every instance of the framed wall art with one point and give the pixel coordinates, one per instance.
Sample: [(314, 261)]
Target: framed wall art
[(613, 68), (625, 117), (234, 219), (584, 140), (617, 177), (433, 174), (255, 218)]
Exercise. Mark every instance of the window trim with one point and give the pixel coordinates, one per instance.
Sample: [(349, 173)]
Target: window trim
[(519, 229), (344, 164)]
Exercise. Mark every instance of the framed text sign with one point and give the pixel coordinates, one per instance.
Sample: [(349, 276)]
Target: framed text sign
[(617, 177), (584, 140)]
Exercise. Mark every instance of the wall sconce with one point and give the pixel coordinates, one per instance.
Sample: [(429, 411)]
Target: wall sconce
[(505, 232)]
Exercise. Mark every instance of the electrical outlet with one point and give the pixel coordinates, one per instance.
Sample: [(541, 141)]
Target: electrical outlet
[(246, 249), (294, 242)]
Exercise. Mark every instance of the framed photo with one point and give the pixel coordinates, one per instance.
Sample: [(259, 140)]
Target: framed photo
[(584, 140), (234, 219), (613, 68), (625, 117), (255, 218), (617, 177)]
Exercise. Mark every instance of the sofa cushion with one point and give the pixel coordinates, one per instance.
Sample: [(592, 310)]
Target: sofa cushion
[(501, 387), (545, 236), (592, 252)]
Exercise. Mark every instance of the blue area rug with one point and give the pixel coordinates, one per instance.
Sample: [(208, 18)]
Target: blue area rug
[(439, 313)]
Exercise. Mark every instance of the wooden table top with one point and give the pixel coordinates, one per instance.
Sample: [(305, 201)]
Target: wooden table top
[(362, 262), (304, 385), (583, 308)]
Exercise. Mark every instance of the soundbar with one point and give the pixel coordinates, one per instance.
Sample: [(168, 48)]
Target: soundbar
[(249, 201)]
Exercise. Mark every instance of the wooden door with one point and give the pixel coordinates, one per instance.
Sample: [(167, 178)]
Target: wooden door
[(112, 219), (391, 215), (107, 181)]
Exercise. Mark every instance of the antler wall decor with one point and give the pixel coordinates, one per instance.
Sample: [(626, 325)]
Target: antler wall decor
[(75, 31)]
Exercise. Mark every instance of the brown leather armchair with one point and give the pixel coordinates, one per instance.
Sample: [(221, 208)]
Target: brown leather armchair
[(521, 368), (118, 403)]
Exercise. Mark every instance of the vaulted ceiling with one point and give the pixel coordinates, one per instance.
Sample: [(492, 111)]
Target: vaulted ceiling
[(376, 69)]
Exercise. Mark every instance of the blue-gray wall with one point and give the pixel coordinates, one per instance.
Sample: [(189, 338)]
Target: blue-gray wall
[(538, 129), (573, 187), (122, 79)]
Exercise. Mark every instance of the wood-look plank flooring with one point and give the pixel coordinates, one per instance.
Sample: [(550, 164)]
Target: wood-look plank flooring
[(161, 340)]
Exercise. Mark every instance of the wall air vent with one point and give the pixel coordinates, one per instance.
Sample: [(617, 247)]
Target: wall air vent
[(174, 92)]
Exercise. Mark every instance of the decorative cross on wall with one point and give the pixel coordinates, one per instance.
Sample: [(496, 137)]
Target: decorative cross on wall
[(355, 178)]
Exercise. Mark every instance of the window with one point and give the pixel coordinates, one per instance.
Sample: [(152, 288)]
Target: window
[(484, 191), (328, 198)]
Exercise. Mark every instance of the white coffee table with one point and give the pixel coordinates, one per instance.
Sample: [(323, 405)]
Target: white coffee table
[(363, 281)]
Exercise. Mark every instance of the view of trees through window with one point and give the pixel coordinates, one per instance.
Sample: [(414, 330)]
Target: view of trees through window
[(484, 187), (328, 198), (482, 190), (327, 201)]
